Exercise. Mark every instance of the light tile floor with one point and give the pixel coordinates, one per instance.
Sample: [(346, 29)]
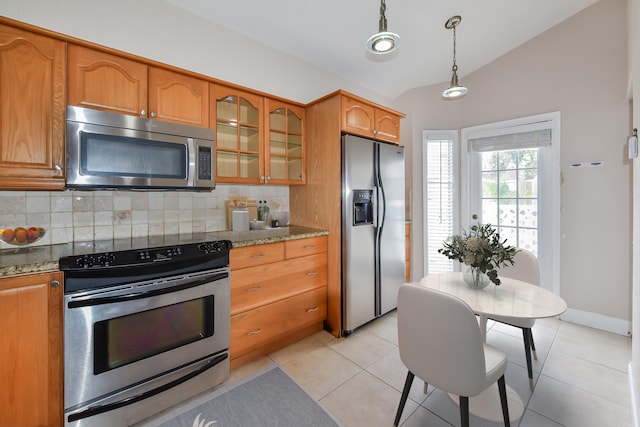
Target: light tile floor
[(580, 374)]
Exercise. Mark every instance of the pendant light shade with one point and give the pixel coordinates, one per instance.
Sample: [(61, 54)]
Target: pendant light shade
[(455, 90), (383, 41)]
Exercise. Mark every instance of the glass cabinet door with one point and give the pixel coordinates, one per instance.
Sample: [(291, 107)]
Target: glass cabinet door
[(285, 151), (238, 141)]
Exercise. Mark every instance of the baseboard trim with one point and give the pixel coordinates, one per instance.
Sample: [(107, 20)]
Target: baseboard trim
[(598, 321)]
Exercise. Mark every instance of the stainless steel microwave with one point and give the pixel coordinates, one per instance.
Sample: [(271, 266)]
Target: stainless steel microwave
[(115, 151)]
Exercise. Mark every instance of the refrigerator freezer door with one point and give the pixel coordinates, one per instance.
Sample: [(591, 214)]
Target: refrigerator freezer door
[(358, 249), (391, 224)]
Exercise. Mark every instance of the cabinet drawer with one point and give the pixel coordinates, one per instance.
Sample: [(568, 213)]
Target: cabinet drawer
[(256, 327), (264, 284), (256, 255), (304, 247)]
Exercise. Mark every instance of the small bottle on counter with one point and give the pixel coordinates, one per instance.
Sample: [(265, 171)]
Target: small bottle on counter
[(259, 210), (265, 211)]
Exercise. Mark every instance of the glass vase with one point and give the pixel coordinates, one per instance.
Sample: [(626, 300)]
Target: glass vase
[(475, 278)]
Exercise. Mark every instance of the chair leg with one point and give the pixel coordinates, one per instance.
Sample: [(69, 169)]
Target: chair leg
[(526, 335), (464, 411), (403, 398), (533, 345), (502, 387)]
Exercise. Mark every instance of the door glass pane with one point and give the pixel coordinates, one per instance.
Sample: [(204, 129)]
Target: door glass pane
[(227, 109), (249, 139), (278, 167), (278, 119), (277, 144), (294, 147), (249, 165), (249, 114), (510, 195), (295, 169), (226, 136), (226, 164), (294, 123)]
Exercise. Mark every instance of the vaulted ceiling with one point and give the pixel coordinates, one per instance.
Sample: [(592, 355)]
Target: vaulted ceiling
[(331, 34)]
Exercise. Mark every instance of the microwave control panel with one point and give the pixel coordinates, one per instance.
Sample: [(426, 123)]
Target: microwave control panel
[(205, 163)]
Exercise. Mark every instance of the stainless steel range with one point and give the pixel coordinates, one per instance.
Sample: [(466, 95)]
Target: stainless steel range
[(143, 330)]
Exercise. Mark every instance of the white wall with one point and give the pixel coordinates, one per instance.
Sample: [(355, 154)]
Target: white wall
[(578, 68)]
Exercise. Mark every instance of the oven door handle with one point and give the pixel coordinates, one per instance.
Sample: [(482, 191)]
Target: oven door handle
[(95, 410), (146, 294)]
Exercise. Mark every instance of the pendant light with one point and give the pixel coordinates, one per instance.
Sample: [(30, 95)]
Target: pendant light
[(383, 41), (455, 90)]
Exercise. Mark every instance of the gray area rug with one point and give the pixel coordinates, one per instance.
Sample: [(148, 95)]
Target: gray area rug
[(267, 398)]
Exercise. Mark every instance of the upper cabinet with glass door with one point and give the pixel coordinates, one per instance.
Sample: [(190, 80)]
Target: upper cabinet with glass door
[(284, 159), (238, 122)]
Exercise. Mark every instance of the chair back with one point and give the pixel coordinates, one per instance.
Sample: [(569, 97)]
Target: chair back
[(439, 340), (525, 268)]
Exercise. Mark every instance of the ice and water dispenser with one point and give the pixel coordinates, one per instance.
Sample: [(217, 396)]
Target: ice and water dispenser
[(362, 207)]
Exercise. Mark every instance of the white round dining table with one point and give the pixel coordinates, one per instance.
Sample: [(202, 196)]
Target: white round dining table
[(513, 298)]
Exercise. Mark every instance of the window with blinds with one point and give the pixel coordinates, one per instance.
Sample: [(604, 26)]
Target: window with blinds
[(440, 204)]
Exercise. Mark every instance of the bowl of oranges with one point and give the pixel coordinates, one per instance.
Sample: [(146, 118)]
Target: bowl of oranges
[(21, 235)]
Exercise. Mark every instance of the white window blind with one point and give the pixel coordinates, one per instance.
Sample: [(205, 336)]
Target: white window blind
[(511, 141), (439, 198)]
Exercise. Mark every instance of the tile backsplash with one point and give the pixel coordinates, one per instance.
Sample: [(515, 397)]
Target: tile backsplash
[(103, 215)]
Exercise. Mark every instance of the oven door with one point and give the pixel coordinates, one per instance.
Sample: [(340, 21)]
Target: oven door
[(122, 337)]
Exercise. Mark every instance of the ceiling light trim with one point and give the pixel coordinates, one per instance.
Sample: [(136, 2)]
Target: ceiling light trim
[(383, 42)]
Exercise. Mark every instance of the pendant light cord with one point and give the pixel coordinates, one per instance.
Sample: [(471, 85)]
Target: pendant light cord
[(382, 26), (455, 67)]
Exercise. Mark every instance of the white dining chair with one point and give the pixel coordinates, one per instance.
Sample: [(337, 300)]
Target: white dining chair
[(524, 268), (440, 342)]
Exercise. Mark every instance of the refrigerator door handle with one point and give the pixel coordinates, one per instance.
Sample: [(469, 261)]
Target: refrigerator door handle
[(374, 201)]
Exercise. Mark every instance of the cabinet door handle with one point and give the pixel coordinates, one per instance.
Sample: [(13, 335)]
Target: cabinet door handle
[(311, 310), (257, 331), (55, 283), (153, 114), (258, 256), (257, 288), (143, 113), (57, 167), (312, 273), (310, 247)]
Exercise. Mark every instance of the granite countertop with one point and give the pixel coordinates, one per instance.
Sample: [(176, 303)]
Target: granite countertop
[(33, 259)]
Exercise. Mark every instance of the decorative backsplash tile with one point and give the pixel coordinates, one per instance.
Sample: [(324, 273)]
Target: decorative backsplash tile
[(103, 215)]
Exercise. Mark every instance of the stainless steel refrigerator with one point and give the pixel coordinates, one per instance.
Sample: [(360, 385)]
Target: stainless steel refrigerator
[(373, 229)]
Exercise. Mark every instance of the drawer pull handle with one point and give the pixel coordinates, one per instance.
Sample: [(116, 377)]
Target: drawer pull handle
[(257, 288), (312, 273), (311, 310), (258, 256), (257, 331), (310, 247)]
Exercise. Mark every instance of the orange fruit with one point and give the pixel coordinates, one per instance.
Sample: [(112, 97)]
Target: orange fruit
[(8, 235), (21, 235)]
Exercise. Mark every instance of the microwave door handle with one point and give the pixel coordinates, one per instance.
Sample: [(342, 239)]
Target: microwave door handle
[(191, 166)]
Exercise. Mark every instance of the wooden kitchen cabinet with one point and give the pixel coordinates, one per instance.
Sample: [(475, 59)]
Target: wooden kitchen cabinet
[(112, 83), (278, 295), (318, 203), (284, 153), (32, 111), (237, 119), (364, 118), (258, 140), (31, 350)]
